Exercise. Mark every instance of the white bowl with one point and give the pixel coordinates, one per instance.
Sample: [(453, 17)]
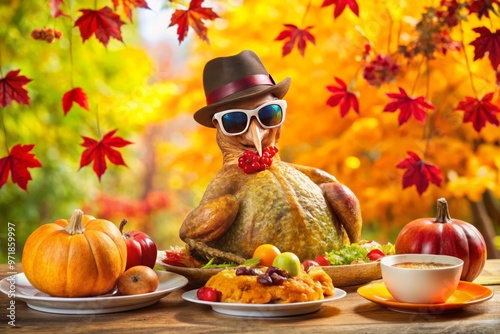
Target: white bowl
[(421, 286)]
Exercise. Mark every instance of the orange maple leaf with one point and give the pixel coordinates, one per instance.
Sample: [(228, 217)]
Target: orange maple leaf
[(192, 17), (104, 23), (129, 4)]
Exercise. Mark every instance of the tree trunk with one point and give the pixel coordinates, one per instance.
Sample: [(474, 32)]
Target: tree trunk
[(492, 207), (484, 224)]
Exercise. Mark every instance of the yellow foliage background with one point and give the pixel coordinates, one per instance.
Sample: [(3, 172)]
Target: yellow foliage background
[(362, 150), (151, 93)]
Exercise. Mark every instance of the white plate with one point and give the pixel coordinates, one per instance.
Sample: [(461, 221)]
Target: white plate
[(264, 310), (109, 303)]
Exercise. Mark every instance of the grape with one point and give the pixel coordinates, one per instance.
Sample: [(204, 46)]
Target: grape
[(247, 271), (265, 279)]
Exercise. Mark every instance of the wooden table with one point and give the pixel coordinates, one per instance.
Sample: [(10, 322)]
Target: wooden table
[(351, 314)]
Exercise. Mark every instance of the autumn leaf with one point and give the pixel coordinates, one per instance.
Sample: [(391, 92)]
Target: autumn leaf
[(11, 89), (55, 11), (487, 43), (17, 164), (419, 173), (104, 23), (75, 95), (129, 4), (343, 97), (97, 151), (340, 6), (478, 112), (482, 7), (293, 34), (192, 17), (409, 106)]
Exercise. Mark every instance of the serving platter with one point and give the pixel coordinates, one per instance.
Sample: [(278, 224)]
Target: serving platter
[(466, 294), (196, 276), (342, 275), (264, 310), (108, 303), (354, 274)]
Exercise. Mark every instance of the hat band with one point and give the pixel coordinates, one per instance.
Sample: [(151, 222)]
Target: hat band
[(238, 85)]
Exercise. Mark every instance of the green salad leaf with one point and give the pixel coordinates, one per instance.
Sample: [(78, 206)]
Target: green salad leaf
[(357, 252)]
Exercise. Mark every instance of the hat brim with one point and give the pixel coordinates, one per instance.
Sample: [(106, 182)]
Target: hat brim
[(205, 114)]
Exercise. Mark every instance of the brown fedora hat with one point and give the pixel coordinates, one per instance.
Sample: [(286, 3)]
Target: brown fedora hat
[(239, 77)]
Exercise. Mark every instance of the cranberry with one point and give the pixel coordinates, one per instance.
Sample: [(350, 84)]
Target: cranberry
[(199, 293), (251, 162), (208, 294)]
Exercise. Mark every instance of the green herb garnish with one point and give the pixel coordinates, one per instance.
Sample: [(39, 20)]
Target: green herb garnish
[(211, 265)]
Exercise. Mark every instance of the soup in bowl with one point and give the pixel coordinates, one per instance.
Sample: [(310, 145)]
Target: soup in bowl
[(421, 278)]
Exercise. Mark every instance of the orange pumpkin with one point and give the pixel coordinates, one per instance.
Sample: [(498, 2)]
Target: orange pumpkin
[(77, 258)]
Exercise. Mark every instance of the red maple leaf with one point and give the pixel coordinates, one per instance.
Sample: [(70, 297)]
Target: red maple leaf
[(192, 17), (55, 11), (75, 95), (104, 23), (293, 33), (129, 4), (482, 7), (17, 163), (343, 97), (419, 173), (340, 6), (97, 151), (478, 112), (487, 42), (11, 89), (408, 106)]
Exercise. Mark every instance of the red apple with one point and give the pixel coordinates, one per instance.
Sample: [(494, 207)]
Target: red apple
[(141, 249), (308, 264), (137, 280)]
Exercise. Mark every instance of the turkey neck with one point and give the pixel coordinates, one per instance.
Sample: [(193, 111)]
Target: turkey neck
[(233, 147)]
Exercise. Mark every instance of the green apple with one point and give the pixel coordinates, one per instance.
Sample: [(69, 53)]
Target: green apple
[(288, 261)]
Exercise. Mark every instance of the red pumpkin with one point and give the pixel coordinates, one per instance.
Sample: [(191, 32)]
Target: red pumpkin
[(446, 236), (141, 249)]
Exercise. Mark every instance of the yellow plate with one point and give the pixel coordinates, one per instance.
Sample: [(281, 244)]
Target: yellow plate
[(466, 294)]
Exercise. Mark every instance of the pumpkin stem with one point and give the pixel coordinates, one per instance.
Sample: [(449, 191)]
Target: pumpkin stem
[(443, 215), (122, 225), (75, 223)]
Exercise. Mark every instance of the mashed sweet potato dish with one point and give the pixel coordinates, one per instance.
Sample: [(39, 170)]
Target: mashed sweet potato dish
[(306, 286)]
